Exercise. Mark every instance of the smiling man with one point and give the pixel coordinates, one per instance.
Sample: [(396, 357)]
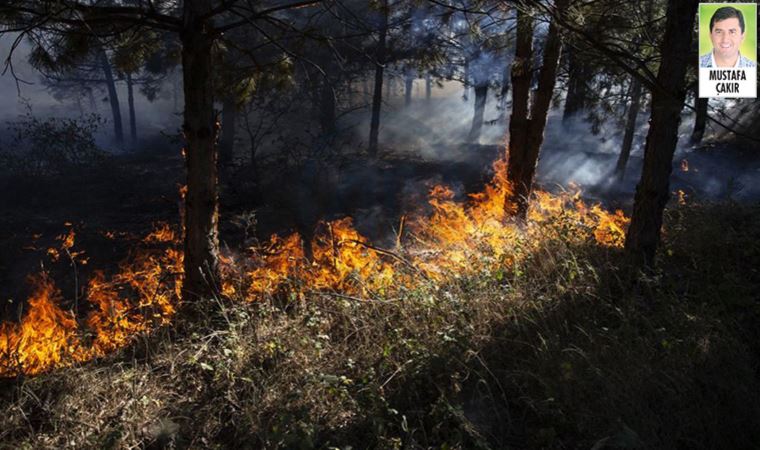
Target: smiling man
[(727, 35)]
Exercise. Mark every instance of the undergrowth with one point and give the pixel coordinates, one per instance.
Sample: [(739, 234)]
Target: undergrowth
[(568, 350)]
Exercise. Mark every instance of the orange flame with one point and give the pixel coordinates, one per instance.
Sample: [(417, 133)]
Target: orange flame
[(44, 338), (48, 336), (457, 238), (681, 197)]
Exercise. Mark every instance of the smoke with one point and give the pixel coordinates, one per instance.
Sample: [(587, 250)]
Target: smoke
[(432, 129), (19, 81), (572, 154), (21, 88)]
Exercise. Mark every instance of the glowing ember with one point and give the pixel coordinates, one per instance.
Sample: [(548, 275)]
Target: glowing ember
[(681, 197)]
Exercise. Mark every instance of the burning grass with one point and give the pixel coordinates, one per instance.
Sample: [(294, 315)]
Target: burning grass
[(557, 350), (48, 336), (457, 239)]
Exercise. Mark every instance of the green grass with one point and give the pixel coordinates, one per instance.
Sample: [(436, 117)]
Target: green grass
[(567, 351)]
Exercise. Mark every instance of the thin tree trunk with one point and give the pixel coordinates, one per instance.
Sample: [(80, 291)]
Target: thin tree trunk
[(408, 86), (93, 103), (652, 192), (79, 105), (377, 95), (700, 118), (229, 126), (201, 212), (481, 94), (529, 132), (577, 89), (175, 91), (630, 128), (504, 91), (428, 87), (466, 80), (131, 104), (113, 97)]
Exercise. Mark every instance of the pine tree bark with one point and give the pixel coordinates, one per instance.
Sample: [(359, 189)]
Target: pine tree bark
[(113, 96), (201, 211), (630, 129), (131, 104), (377, 95), (519, 121), (652, 192), (527, 132), (481, 94)]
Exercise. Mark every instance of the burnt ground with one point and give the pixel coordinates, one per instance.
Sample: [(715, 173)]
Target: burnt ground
[(129, 192)]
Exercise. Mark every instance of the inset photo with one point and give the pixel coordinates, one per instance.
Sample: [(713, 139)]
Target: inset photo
[(727, 50)]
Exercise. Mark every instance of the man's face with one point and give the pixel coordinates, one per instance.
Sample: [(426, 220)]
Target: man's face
[(726, 37)]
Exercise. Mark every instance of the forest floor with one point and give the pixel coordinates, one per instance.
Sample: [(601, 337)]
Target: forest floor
[(570, 350)]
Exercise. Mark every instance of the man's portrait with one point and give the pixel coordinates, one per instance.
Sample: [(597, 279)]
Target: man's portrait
[(727, 33)]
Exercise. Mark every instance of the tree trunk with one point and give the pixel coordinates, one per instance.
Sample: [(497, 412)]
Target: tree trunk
[(700, 118), (466, 80), (481, 94), (377, 95), (201, 211), (577, 88), (652, 192), (408, 86), (428, 87), (522, 71), (630, 128), (175, 91), (113, 97), (131, 104), (504, 91), (528, 133), (93, 102), (229, 126)]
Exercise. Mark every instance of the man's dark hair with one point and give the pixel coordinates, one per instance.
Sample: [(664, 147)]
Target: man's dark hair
[(724, 13)]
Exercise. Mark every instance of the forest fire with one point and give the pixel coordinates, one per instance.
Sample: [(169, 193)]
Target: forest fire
[(456, 239), (49, 336)]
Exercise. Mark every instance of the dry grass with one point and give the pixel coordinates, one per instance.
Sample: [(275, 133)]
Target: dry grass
[(566, 351)]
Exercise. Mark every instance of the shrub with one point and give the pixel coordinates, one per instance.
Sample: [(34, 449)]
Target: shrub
[(51, 145)]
